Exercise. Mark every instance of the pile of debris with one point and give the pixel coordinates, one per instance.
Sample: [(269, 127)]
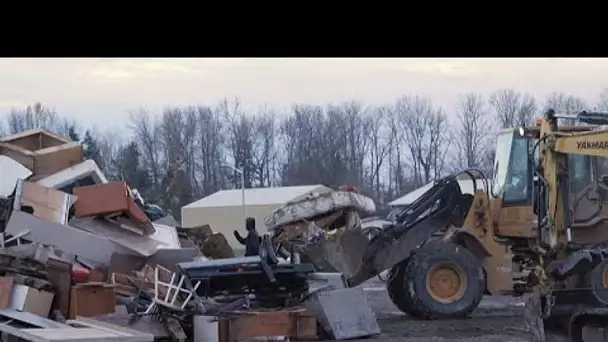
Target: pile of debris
[(88, 259)]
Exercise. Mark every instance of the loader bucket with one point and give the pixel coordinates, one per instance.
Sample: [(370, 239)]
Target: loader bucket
[(326, 229), (342, 252)]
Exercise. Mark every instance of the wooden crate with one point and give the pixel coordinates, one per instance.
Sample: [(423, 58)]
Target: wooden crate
[(298, 324), (92, 299)]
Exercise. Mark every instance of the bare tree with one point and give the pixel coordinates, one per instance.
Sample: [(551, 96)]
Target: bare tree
[(356, 130), (603, 102), (317, 146), (380, 141), (178, 130), (440, 142), (240, 133), (473, 130), (146, 131), (301, 135), (396, 174), (37, 116), (385, 151), (513, 108), (564, 103), (109, 144), (210, 146), (426, 136), (265, 154)]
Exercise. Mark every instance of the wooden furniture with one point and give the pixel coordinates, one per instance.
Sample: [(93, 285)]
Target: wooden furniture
[(298, 324), (92, 299)]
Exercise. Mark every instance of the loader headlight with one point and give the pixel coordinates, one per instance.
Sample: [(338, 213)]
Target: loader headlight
[(522, 131)]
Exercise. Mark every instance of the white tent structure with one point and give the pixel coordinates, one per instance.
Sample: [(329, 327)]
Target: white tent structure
[(466, 186), (223, 210)]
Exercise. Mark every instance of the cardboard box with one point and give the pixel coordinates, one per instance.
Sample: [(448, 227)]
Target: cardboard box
[(28, 299)]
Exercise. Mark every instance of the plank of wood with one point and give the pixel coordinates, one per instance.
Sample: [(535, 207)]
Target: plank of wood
[(93, 323), (70, 334), (32, 319), (80, 335), (60, 276), (6, 289)]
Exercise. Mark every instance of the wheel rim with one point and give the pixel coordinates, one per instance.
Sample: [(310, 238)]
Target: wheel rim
[(446, 283)]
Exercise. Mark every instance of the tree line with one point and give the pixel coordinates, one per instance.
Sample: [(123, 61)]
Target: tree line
[(386, 151)]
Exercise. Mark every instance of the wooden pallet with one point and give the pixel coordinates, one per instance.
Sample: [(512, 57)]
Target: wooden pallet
[(298, 324)]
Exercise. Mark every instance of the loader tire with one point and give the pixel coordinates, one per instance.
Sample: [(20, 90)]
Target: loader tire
[(395, 287), (443, 280)]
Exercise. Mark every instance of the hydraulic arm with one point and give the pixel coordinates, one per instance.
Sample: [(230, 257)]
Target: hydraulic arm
[(441, 206)]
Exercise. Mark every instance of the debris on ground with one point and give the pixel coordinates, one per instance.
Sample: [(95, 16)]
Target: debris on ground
[(83, 258)]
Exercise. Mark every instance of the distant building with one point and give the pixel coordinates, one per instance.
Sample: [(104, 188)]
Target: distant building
[(223, 212), (466, 186)]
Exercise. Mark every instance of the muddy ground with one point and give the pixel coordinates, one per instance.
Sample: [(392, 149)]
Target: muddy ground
[(498, 319)]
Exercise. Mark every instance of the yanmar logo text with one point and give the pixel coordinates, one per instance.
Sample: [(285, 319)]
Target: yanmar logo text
[(588, 145)]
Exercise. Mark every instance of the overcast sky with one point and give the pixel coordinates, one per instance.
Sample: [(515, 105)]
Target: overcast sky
[(103, 91)]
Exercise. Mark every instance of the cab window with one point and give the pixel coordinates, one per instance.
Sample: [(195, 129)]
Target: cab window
[(579, 172), (511, 178), (517, 188)]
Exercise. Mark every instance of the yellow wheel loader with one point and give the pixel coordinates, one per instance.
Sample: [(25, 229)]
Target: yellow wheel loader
[(441, 253), (540, 225)]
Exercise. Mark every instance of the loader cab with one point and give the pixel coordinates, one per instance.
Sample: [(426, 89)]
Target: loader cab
[(512, 176), (512, 186)]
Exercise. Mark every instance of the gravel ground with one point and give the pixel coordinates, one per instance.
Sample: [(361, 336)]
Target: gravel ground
[(497, 319)]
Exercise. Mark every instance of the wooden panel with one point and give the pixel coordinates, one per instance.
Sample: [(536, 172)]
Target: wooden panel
[(80, 334), (70, 334), (110, 198), (6, 289), (60, 276), (24, 159), (35, 139), (29, 142), (93, 323), (54, 159), (101, 199), (295, 324), (49, 204)]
